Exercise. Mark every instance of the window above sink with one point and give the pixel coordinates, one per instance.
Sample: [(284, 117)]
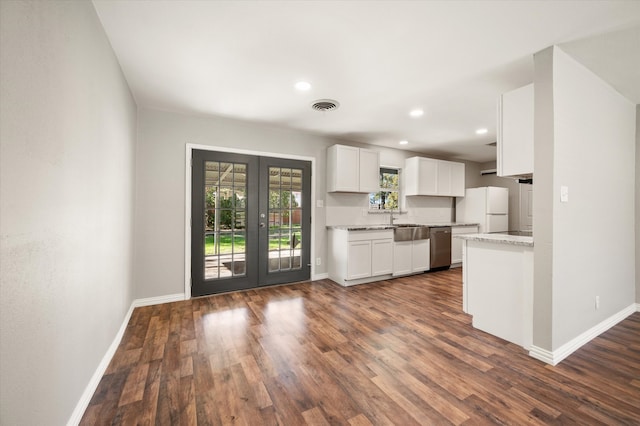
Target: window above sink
[(388, 196)]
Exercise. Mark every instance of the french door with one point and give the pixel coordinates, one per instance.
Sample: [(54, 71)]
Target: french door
[(250, 221)]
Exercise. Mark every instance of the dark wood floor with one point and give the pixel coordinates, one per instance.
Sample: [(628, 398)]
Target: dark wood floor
[(394, 352)]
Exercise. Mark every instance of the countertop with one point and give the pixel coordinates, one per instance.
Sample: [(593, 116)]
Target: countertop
[(362, 227), (452, 224), (382, 226), (498, 239)]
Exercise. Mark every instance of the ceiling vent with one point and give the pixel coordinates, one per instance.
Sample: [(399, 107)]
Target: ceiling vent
[(325, 105)]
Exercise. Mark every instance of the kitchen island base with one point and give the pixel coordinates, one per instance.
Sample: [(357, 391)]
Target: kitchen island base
[(497, 286)]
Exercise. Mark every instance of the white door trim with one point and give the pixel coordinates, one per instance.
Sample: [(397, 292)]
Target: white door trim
[(187, 200), (525, 205)]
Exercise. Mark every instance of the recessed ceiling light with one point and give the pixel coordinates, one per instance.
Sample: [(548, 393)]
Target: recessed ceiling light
[(416, 113), (303, 86), (403, 142), (481, 131)]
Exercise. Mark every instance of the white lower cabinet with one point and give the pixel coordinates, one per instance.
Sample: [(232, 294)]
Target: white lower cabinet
[(420, 255), (356, 257), (359, 260), (381, 257), (402, 257), (456, 244), (411, 256)]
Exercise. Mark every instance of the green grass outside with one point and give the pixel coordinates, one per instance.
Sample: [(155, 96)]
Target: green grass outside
[(239, 242)]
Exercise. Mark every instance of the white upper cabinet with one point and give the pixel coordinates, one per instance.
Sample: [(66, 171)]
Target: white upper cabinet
[(457, 179), (421, 176), (427, 176), (444, 178), (351, 169), (369, 170), (515, 132)]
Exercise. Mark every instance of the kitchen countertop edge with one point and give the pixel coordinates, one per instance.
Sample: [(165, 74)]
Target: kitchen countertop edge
[(362, 227), (381, 227), (498, 239)]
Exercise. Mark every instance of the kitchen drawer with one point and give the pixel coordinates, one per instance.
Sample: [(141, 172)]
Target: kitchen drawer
[(370, 235)]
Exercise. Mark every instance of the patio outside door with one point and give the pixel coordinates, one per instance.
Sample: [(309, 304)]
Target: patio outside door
[(250, 222)]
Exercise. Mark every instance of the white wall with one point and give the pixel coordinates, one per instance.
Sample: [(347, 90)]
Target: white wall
[(584, 139), (160, 187), (543, 199), (67, 135), (638, 204)]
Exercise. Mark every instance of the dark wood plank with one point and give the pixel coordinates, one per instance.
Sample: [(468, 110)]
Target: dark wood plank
[(394, 352)]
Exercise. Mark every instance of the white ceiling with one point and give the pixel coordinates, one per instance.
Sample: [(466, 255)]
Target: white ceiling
[(379, 59)]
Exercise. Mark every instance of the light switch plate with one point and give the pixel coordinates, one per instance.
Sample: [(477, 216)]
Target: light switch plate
[(319, 203), (564, 194)]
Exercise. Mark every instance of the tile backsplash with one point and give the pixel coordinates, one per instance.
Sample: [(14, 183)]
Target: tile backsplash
[(352, 209)]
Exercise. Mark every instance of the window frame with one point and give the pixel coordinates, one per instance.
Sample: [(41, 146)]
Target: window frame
[(379, 207)]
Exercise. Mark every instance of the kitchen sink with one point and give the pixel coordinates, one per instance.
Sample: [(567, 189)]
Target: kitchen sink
[(403, 233), (409, 232), (421, 233)]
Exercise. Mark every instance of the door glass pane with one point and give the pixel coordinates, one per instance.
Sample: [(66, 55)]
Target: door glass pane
[(239, 266), (241, 220), (285, 178), (285, 263), (240, 175), (285, 219), (274, 198), (225, 217), (238, 254), (296, 180), (240, 197)]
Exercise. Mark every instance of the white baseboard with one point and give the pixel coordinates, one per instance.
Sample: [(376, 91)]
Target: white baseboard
[(83, 403), (158, 300), (554, 357), (318, 277), (542, 355)]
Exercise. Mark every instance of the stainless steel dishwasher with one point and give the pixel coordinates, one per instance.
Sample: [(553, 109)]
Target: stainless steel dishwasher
[(440, 247)]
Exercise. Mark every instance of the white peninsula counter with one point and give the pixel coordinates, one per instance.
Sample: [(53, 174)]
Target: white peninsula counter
[(497, 285)]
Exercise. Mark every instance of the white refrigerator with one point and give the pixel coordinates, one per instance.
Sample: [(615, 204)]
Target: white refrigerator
[(488, 206)]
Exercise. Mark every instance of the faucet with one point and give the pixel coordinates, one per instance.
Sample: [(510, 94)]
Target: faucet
[(391, 218)]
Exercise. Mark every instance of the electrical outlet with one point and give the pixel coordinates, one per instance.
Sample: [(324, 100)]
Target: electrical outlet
[(318, 261), (597, 302)]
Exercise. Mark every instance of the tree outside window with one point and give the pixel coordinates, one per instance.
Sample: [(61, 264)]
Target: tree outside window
[(387, 198)]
